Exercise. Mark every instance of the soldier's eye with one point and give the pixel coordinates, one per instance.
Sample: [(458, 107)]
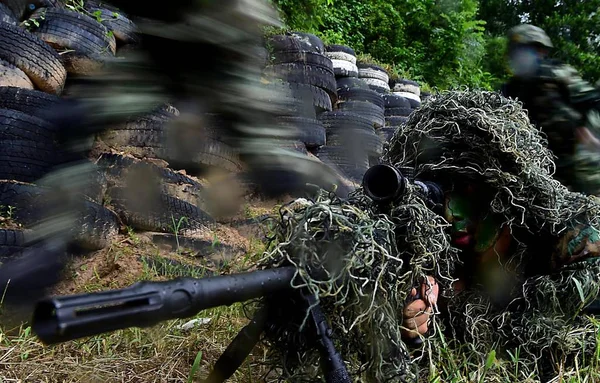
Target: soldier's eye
[(31, 7)]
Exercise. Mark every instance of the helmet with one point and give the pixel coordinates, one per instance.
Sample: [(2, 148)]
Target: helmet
[(529, 35)]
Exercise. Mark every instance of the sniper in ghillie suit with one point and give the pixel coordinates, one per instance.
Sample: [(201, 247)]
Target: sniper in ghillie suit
[(464, 204)]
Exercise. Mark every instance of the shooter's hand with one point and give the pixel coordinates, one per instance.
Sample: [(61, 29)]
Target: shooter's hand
[(417, 313)]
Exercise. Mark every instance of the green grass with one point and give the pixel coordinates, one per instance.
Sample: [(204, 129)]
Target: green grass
[(166, 353)]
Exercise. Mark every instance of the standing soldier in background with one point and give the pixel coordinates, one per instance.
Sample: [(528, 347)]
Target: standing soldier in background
[(563, 105)]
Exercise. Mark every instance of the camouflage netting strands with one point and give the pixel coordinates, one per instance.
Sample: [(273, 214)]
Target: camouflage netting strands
[(362, 265), (486, 138)]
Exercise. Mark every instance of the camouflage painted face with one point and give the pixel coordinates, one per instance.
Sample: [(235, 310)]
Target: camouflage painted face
[(473, 228)]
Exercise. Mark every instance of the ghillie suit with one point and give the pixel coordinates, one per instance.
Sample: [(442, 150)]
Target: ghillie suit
[(484, 138), (377, 258)]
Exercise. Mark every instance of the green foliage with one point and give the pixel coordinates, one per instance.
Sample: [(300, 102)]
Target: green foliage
[(436, 42), (573, 27)]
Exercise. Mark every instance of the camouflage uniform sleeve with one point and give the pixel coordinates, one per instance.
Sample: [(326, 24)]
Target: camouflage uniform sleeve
[(578, 244), (582, 96)]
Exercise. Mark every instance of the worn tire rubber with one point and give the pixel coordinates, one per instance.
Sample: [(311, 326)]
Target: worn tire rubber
[(342, 56), (304, 74), (396, 120), (27, 161), (343, 68), (303, 57), (372, 71), (340, 48), (351, 83), (311, 132), (7, 16), (17, 7), (398, 112), (124, 30), (356, 140), (377, 85), (387, 133), (32, 102), (73, 30), (289, 43), (365, 109), (338, 158), (339, 119), (120, 168), (402, 85), (11, 242), (95, 225), (10, 75), (16, 125), (162, 214), (34, 57), (395, 101), (357, 94), (311, 39)]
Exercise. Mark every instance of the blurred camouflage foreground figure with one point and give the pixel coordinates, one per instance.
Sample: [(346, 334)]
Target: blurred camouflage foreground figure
[(561, 103), (203, 57)]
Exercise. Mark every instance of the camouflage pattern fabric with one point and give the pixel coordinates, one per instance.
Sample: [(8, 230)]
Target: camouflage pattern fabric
[(559, 101), (201, 55)]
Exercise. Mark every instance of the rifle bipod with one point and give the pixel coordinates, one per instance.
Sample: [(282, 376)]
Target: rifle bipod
[(332, 364)]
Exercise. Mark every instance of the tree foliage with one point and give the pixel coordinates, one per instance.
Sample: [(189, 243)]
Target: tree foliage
[(449, 43)]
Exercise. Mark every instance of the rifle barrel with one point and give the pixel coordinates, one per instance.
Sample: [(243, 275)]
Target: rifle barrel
[(144, 304)]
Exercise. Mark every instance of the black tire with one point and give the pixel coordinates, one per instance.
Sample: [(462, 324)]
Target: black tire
[(7, 16), (342, 68), (289, 43), (402, 85), (304, 74), (27, 161), (285, 102), (392, 112), (355, 140), (34, 57), (351, 83), (312, 94), (124, 30), (379, 89), (303, 57), (340, 48), (11, 242), (161, 213), (372, 71), (414, 104), (62, 28), (15, 125), (95, 225), (16, 7), (311, 39), (10, 75), (116, 165), (387, 133), (395, 120), (338, 119), (119, 169), (31, 102), (311, 132), (395, 101), (340, 160), (365, 109), (357, 94)]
